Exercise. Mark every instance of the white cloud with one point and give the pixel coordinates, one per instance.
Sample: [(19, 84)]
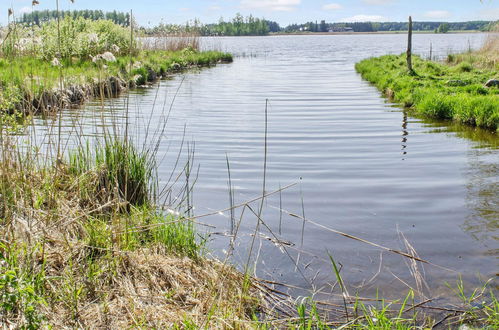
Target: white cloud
[(270, 5), (377, 2), (332, 6), (438, 14), (25, 10), (364, 18)]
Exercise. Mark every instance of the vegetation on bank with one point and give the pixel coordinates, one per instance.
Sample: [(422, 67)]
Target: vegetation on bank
[(487, 57), (84, 245), (35, 85), (48, 67), (452, 91)]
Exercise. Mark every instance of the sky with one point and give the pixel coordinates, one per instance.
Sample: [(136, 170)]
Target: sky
[(152, 12)]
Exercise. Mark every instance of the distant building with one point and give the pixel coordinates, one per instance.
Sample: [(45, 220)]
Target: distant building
[(340, 29)]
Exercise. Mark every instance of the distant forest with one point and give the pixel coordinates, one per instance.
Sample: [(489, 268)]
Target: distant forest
[(391, 26), (40, 16), (240, 26), (245, 26)]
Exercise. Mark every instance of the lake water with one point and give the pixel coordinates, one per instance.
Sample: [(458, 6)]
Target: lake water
[(362, 165)]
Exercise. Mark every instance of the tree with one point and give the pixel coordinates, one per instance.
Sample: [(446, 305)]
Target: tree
[(443, 28)]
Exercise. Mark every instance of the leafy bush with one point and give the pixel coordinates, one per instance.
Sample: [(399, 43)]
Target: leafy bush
[(74, 38), (19, 290), (464, 67)]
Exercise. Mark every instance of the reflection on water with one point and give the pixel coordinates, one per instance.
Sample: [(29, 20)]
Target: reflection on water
[(482, 198), (405, 134), (363, 166), (484, 138), (482, 186)]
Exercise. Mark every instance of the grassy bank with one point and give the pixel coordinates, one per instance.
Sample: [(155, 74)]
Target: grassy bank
[(53, 66), (36, 85), (83, 245), (453, 91)]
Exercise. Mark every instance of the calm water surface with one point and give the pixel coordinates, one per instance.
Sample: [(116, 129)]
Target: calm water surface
[(362, 165)]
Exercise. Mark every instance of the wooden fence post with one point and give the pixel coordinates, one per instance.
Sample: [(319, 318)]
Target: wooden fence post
[(409, 46)]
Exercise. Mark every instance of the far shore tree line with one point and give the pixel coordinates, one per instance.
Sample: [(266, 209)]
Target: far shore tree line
[(437, 27), (38, 17), (250, 25)]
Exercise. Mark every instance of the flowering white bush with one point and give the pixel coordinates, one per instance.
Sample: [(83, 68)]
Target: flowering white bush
[(93, 38), (107, 57), (79, 38)]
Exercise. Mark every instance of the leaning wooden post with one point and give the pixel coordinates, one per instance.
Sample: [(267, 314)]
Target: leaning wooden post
[(409, 46)]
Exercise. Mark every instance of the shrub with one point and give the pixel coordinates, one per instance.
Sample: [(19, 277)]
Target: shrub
[(464, 67), (74, 38)]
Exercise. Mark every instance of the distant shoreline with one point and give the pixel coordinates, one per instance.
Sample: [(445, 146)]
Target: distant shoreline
[(342, 33), (376, 32)]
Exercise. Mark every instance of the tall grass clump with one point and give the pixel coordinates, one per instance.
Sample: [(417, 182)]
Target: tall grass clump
[(455, 92), (173, 38), (123, 172)]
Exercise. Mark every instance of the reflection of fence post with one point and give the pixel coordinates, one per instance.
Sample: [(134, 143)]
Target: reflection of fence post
[(409, 46)]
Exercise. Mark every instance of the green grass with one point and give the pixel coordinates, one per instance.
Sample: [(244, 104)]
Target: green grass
[(21, 291), (437, 90), (479, 309)]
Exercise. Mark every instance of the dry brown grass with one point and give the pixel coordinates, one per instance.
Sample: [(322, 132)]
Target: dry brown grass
[(489, 53), (487, 57), (172, 41), (147, 288)]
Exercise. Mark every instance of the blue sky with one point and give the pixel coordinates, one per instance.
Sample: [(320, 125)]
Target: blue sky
[(150, 12)]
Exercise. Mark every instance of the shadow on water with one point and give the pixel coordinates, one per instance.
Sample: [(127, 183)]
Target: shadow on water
[(485, 138)]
